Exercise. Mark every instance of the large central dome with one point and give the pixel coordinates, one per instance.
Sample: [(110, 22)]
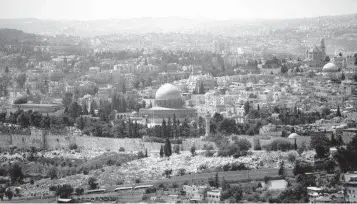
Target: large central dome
[(167, 92)]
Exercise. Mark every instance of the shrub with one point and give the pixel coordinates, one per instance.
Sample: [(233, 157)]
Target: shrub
[(79, 191), (237, 149), (208, 147), (85, 171), (111, 162), (181, 172), (52, 188), (291, 157), (64, 191), (202, 167), (141, 155), (238, 167), (150, 190), (52, 173), (92, 182), (121, 149), (73, 146), (279, 144), (302, 167), (266, 179), (21, 100), (168, 172), (120, 182), (177, 149), (209, 153), (137, 180)]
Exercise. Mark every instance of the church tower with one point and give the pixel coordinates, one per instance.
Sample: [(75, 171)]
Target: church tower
[(323, 48)]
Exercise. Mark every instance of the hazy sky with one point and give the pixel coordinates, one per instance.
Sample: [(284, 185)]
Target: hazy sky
[(212, 9)]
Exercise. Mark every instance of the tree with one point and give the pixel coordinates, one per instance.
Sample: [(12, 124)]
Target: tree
[(6, 70), (246, 107), (327, 59), (93, 107), (193, 150), (161, 151), (46, 122), (325, 112), (201, 89), (228, 126), (85, 109), (23, 119), (35, 119), (75, 110), (20, 80), (167, 148), (92, 182), (343, 77), (338, 113), (146, 152), (16, 174), (321, 144), (52, 173), (281, 169), (301, 167), (216, 180), (64, 191), (9, 194), (67, 99), (284, 69), (80, 123)]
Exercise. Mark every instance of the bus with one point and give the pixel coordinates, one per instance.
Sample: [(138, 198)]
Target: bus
[(96, 191), (123, 189)]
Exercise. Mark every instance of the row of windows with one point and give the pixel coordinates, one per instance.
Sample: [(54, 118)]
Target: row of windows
[(212, 196)]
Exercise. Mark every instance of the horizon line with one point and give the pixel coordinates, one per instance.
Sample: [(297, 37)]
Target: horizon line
[(182, 17)]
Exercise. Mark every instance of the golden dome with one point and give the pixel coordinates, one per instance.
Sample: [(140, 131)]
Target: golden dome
[(167, 92)]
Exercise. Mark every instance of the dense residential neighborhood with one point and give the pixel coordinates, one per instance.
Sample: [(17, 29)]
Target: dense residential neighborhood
[(265, 113)]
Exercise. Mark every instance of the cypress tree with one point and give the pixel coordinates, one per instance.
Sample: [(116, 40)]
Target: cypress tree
[(161, 151), (163, 128), (338, 114), (216, 180), (146, 152), (174, 128), (167, 148), (130, 129), (169, 128)]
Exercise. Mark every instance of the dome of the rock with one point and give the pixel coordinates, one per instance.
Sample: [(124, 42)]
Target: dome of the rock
[(167, 92)]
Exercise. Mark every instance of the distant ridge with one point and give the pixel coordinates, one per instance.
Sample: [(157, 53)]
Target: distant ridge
[(167, 25)]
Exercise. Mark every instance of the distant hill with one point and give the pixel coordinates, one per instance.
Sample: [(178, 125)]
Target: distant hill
[(173, 24), (13, 36)]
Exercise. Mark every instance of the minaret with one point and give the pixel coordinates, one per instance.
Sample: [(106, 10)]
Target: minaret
[(323, 48), (208, 124)]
